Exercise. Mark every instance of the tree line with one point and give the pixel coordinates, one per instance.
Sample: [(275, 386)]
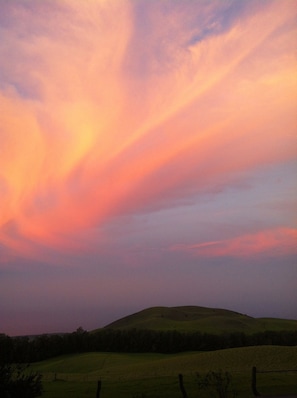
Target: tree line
[(26, 350)]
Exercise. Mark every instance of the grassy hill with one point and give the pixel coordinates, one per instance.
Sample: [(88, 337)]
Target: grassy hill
[(205, 320), (155, 375)]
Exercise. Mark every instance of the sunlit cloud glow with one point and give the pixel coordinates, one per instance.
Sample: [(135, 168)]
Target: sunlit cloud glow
[(116, 110), (271, 242)]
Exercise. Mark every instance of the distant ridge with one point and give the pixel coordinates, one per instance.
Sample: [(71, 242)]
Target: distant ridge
[(202, 319)]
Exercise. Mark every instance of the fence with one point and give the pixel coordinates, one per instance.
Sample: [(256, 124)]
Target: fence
[(254, 377)]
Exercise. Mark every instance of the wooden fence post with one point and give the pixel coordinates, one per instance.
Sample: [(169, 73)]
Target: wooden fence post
[(254, 382), (181, 386), (98, 389)]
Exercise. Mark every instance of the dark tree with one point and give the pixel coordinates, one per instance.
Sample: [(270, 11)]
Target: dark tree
[(16, 381)]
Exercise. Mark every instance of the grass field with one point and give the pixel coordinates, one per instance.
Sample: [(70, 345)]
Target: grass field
[(205, 320), (156, 375)]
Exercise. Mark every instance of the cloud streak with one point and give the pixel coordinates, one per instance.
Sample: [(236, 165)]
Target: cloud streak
[(96, 138), (274, 242), (129, 127)]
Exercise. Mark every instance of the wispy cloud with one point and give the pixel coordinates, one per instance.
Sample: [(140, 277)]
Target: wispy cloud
[(273, 242), (127, 127), (121, 115)]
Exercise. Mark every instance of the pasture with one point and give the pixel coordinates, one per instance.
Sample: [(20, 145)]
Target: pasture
[(156, 375)]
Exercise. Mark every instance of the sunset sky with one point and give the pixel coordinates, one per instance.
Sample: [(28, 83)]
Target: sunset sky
[(148, 157)]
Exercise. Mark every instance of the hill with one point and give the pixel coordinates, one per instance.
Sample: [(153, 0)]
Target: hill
[(205, 320), (155, 375), (140, 365)]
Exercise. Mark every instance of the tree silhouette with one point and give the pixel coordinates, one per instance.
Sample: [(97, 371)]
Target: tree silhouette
[(16, 381)]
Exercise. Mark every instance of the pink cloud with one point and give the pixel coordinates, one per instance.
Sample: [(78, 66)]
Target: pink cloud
[(274, 242), (94, 138)]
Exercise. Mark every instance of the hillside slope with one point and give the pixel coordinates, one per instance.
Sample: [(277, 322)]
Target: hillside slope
[(155, 375), (205, 320), (111, 365)]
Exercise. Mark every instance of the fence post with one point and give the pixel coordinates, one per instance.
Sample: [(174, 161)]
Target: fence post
[(181, 386), (254, 382), (98, 389)]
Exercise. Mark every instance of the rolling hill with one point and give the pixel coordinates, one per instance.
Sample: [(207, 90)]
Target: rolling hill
[(155, 375), (205, 320)]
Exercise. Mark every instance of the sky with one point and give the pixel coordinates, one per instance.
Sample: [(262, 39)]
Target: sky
[(148, 157)]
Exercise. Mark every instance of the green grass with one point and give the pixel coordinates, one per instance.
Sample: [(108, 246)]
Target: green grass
[(205, 320), (156, 375)]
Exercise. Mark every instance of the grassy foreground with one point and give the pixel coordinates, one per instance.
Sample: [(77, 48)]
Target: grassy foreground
[(156, 375)]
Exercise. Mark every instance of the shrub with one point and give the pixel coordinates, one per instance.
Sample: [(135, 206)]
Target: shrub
[(17, 382), (218, 383)]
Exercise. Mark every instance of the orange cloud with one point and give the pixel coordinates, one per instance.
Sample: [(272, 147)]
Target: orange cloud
[(111, 120), (278, 241)]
